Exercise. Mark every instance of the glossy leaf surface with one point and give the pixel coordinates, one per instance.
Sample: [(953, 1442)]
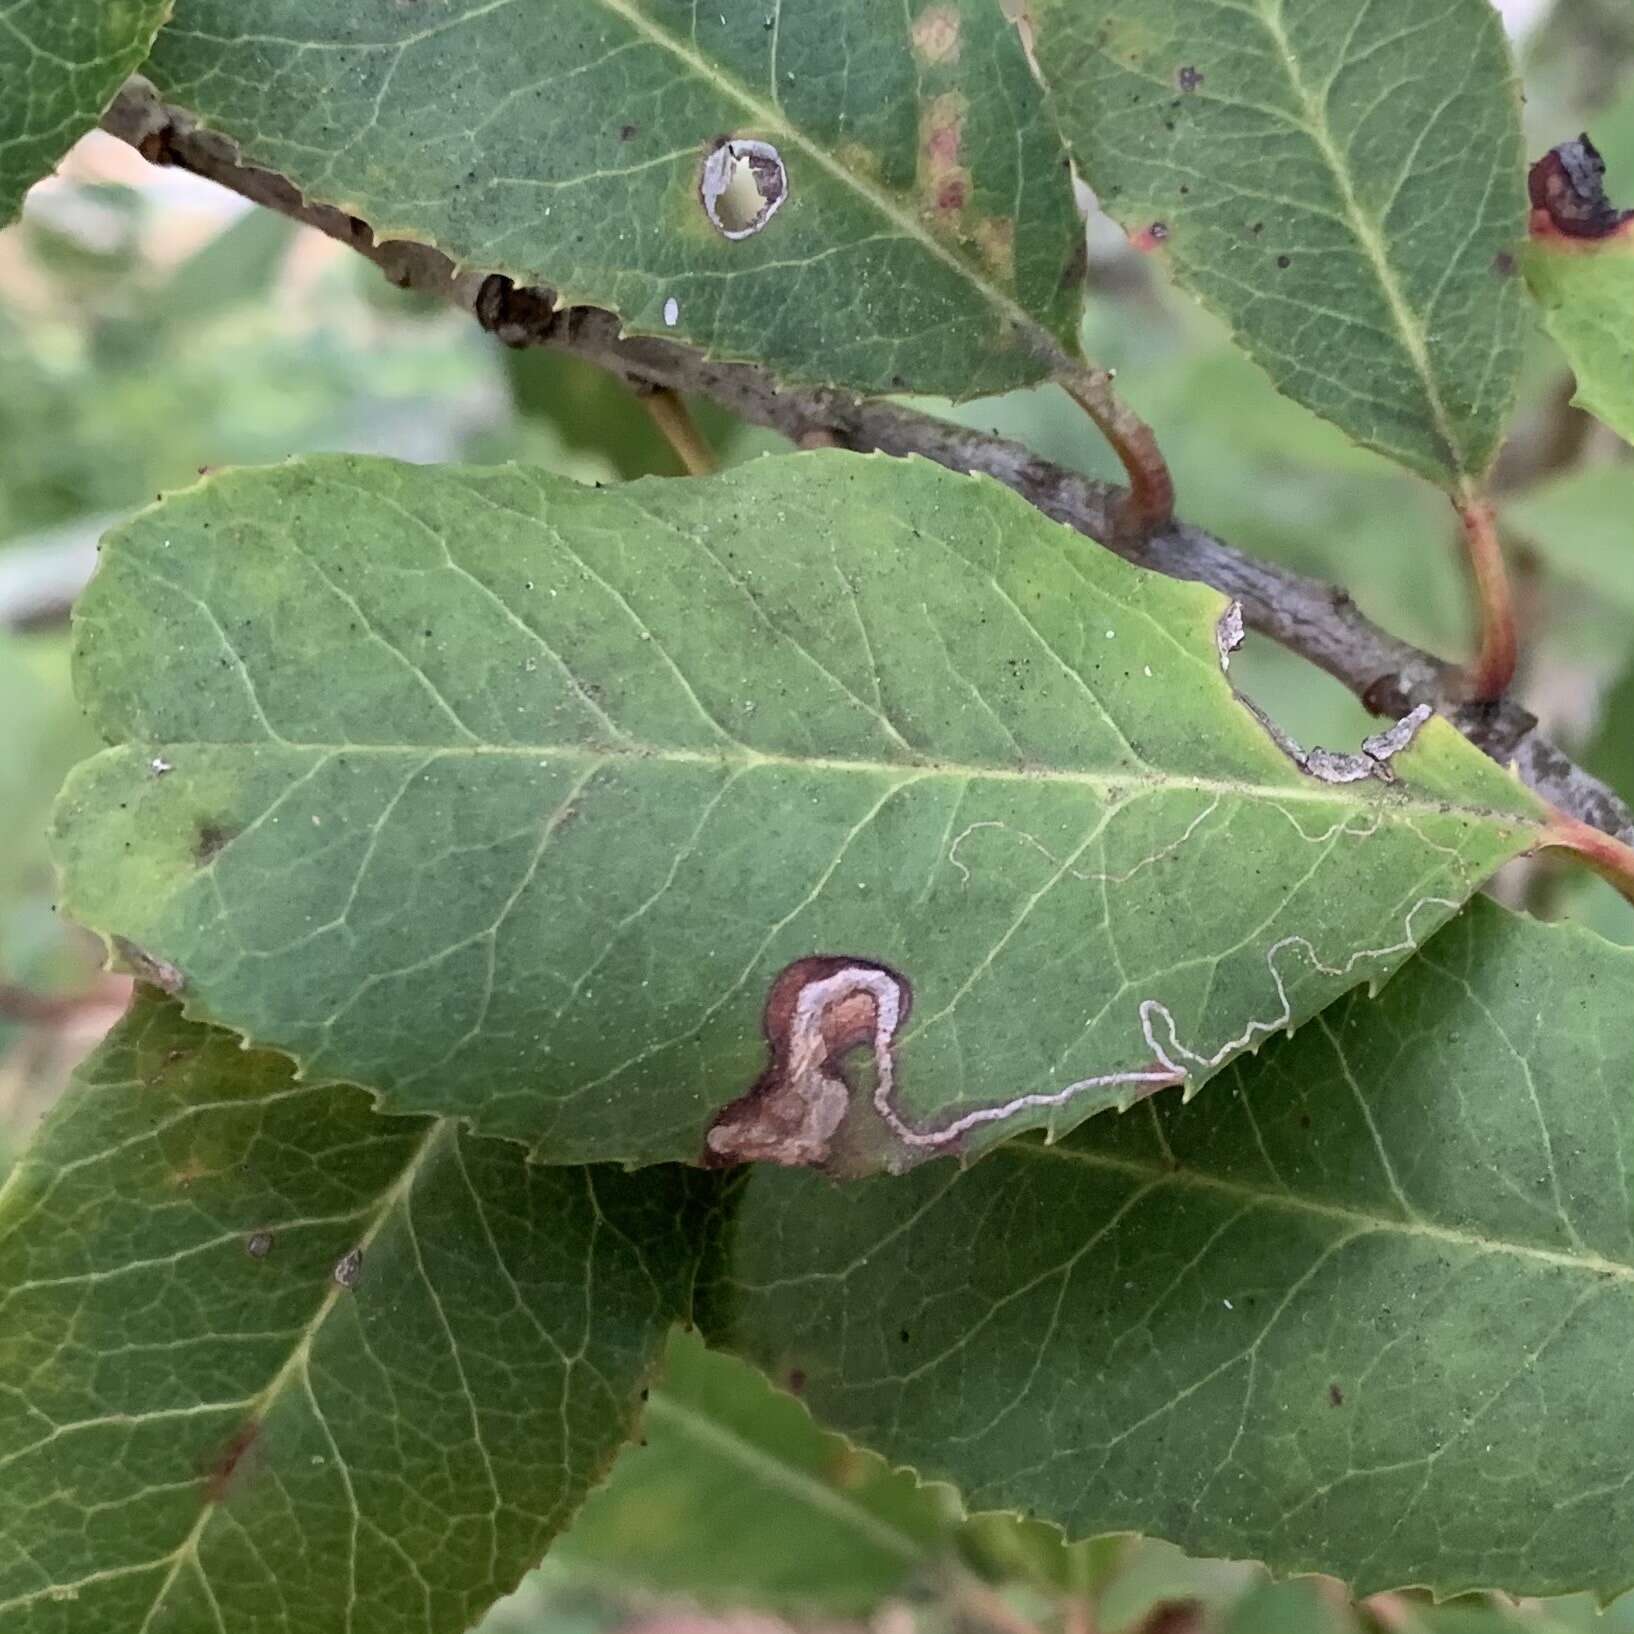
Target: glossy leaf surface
[(581, 814), (924, 235), (61, 61), (1342, 183), (272, 1362), (1353, 1311)]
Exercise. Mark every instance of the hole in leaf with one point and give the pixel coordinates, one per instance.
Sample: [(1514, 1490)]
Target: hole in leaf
[(744, 185)]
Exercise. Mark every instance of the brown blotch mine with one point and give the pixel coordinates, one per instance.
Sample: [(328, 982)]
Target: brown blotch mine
[(229, 1461), (818, 1009), (1568, 191), (942, 144), (936, 34), (996, 239), (944, 185)]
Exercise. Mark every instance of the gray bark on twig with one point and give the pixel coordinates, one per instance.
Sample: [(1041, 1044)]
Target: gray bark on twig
[(1316, 620)]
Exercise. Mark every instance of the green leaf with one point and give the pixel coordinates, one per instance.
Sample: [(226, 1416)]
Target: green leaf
[(61, 61), (1353, 1312), (1341, 182), (1585, 288), (735, 1496), (926, 238), (1579, 523), (272, 1362), (43, 736), (515, 800)]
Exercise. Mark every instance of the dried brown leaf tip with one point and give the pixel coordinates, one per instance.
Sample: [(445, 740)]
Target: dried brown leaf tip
[(1568, 189), (818, 1009)]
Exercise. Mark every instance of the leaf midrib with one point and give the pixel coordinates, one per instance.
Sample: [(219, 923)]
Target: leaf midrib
[(1158, 1174), (1311, 790), (1408, 327), (771, 117)]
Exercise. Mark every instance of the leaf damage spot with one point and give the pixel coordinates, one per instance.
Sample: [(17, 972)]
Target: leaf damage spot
[(1229, 634), (1188, 79), (1568, 191), (996, 239), (744, 185), (229, 1461), (259, 1245), (348, 1272), (210, 840), (1325, 765), (936, 35), (148, 967), (944, 184), (819, 1009)]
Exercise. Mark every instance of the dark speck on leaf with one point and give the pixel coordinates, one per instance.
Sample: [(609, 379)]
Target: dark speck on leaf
[(229, 1461), (1257, 228), (210, 841), (1188, 79), (797, 1379), (1285, 261), (625, 132), (1503, 264), (1336, 1396)]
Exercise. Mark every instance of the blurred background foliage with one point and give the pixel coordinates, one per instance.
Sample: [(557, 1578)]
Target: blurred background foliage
[(151, 328)]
